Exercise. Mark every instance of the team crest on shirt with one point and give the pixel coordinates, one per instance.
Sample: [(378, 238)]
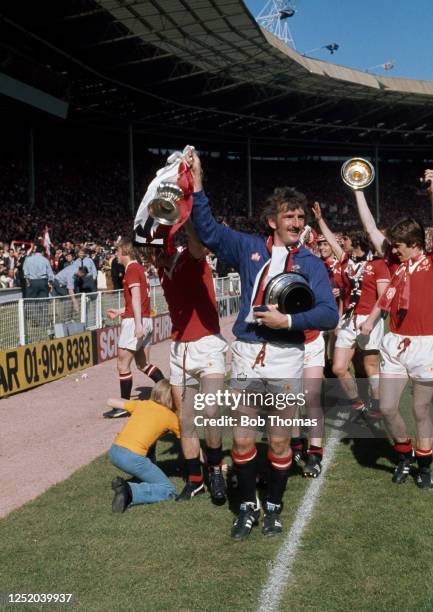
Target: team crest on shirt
[(425, 265), (296, 268), (255, 257), (210, 364)]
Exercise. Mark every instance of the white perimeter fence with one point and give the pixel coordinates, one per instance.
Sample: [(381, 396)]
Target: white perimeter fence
[(25, 321)]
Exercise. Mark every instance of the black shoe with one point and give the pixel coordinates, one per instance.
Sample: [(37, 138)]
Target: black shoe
[(313, 466), (424, 480), (402, 470), (247, 518), (299, 457), (115, 413), (271, 522), (117, 482), (217, 485), (374, 420), (358, 413), (122, 494), (190, 490)]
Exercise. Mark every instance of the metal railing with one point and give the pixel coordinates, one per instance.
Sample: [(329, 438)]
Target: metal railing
[(25, 321)]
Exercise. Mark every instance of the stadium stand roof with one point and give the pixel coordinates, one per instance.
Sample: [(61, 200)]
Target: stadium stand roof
[(204, 68)]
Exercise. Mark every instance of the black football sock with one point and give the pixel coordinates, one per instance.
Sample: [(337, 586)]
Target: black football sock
[(214, 456), (245, 466), (279, 473), (125, 385), (153, 372), (194, 470)]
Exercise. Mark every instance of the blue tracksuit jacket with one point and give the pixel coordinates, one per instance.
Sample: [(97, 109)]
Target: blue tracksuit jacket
[(247, 253)]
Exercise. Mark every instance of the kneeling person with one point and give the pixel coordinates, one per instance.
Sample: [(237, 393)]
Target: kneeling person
[(149, 420)]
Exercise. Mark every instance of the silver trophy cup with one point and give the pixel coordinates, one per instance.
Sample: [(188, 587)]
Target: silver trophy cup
[(357, 172), (290, 292), (163, 208)]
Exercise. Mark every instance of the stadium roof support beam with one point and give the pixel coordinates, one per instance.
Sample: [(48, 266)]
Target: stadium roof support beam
[(230, 63), (144, 60)]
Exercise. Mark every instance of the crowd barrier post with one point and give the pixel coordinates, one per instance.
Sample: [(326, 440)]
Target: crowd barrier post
[(21, 322), (83, 309), (98, 310)]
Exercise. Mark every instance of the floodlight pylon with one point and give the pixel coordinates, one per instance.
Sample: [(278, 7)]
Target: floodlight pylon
[(274, 18)]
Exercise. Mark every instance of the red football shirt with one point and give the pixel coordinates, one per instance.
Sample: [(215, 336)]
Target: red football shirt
[(391, 260), (331, 264), (190, 296), (341, 280), (134, 276), (418, 320), (374, 272)]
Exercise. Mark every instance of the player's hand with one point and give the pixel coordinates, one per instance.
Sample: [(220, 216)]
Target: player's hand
[(193, 161), (189, 156), (428, 176), (112, 313), (366, 328), (272, 318), (317, 211), (75, 307), (139, 332), (336, 292)]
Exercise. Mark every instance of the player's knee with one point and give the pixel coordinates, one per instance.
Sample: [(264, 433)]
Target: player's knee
[(242, 447), (421, 412), (388, 409), (279, 448), (123, 368), (371, 369), (339, 370)]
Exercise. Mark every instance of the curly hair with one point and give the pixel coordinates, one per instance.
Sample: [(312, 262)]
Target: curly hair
[(360, 239), (281, 200)]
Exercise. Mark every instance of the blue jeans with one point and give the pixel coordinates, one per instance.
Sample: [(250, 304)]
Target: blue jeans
[(154, 485)]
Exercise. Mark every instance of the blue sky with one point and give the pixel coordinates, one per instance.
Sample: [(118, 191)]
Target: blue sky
[(369, 32)]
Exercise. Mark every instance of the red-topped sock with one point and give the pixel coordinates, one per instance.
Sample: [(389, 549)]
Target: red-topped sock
[(193, 467), (424, 457), (125, 380), (279, 473), (153, 372), (405, 449), (315, 450), (245, 468)]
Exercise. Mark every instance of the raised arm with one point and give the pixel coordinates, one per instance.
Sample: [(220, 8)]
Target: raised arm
[(328, 234), (377, 238), (226, 243)]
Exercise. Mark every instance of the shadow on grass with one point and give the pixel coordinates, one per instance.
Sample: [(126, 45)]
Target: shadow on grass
[(368, 451)]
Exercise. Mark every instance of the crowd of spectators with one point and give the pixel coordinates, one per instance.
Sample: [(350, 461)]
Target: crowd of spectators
[(84, 202)]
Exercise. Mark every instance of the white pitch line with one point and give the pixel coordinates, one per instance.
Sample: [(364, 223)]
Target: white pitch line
[(281, 569)]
